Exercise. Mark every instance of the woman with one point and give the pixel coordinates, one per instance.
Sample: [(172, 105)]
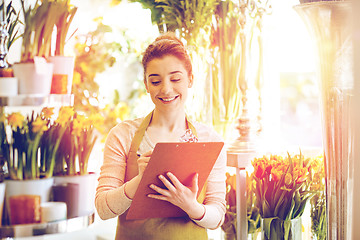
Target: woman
[(167, 77)]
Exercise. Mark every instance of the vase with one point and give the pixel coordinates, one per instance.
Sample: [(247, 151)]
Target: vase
[(330, 25), (278, 229), (62, 74), (87, 187)]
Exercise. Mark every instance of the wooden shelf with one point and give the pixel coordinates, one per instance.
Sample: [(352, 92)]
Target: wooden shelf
[(64, 226), (37, 100)]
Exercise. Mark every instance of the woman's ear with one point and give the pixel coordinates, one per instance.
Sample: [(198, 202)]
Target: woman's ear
[(191, 79)]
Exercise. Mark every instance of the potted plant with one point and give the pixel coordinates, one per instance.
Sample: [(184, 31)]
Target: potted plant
[(9, 32), (63, 65), (33, 71), (71, 165), (29, 146)]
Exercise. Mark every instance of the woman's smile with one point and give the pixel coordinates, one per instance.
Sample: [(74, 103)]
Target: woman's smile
[(168, 100)]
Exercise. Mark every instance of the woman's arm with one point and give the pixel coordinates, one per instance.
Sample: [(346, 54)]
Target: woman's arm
[(214, 203)]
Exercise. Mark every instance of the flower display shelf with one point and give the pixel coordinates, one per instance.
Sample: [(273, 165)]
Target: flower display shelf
[(37, 100), (63, 226), (240, 159)]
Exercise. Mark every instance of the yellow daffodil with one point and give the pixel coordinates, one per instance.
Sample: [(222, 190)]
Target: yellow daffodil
[(78, 125), (39, 125), (65, 114), (47, 112), (15, 120), (122, 110), (76, 78), (97, 120)]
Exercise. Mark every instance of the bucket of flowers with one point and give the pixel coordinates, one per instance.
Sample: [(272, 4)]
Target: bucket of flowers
[(283, 187)]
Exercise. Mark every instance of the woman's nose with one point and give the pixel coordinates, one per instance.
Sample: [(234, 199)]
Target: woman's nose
[(165, 87)]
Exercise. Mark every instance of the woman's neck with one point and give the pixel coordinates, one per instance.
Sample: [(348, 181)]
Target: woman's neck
[(169, 121)]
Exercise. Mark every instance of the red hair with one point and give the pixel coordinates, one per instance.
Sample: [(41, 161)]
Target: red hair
[(164, 45)]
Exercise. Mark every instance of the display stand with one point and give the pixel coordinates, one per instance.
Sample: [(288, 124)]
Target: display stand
[(63, 226), (240, 160)]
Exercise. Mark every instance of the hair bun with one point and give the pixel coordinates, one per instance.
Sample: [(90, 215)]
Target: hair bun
[(169, 36)]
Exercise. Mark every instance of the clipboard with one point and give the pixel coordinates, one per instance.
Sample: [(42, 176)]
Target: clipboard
[(183, 160)]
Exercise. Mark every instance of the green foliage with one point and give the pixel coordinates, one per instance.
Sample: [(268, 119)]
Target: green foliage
[(229, 55), (66, 14), (318, 216), (39, 22), (189, 17), (12, 23)]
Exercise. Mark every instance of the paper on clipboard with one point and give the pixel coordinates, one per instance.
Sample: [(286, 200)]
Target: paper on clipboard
[(183, 160)]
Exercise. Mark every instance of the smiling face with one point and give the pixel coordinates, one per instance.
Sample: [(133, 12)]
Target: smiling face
[(167, 81)]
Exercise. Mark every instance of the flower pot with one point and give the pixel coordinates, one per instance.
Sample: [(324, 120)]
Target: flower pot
[(87, 187), (62, 74), (69, 194), (330, 26), (34, 79), (278, 229), (27, 193), (8, 86)]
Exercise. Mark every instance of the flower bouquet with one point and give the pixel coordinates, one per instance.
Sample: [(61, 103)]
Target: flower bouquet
[(282, 191)]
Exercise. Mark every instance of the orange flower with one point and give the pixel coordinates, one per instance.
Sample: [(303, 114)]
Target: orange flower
[(300, 174), (231, 180), (276, 174), (15, 120), (261, 166)]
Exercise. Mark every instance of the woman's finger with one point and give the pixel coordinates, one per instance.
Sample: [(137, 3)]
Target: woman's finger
[(159, 197), (159, 190), (167, 184), (174, 180)]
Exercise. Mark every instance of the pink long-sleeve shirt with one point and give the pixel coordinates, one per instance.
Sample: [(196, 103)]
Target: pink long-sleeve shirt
[(110, 199)]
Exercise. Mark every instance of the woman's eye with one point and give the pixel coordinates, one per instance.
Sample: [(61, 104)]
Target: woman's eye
[(175, 80), (155, 82)]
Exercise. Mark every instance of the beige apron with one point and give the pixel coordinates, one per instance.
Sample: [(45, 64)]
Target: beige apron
[(181, 228)]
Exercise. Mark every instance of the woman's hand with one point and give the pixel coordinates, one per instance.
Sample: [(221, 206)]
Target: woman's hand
[(143, 161), (180, 195), (132, 185)]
